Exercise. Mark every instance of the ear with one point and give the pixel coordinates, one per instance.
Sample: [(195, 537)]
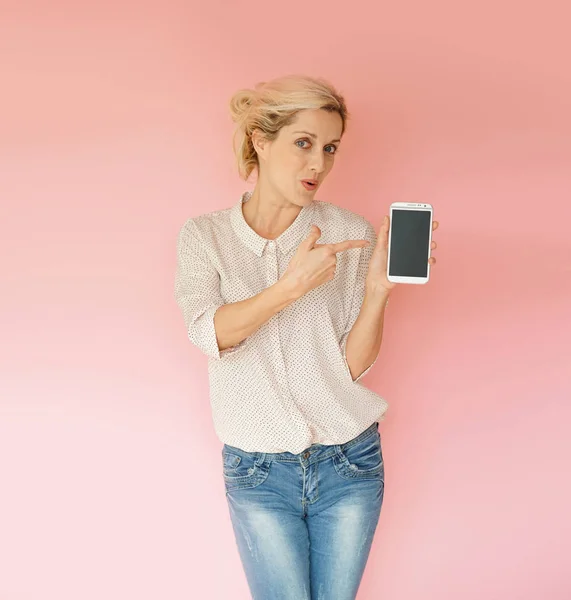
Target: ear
[(259, 142)]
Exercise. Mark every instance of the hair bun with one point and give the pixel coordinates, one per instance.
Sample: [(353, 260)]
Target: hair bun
[(240, 104)]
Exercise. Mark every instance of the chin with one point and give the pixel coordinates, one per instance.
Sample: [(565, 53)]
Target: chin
[(305, 195)]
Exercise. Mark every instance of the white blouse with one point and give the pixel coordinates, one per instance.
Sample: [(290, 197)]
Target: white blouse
[(287, 385)]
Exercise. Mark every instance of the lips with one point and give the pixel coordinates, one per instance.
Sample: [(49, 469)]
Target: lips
[(309, 184)]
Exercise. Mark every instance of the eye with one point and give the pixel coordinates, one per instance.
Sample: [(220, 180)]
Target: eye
[(329, 146)]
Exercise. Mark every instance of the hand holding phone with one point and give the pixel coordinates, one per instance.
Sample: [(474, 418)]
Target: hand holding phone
[(409, 243), (407, 237)]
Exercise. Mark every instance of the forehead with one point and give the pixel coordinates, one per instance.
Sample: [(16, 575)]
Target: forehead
[(322, 123)]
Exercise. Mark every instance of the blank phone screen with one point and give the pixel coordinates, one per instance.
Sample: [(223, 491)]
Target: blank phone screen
[(410, 234)]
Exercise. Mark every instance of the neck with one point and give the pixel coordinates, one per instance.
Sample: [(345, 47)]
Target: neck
[(269, 215)]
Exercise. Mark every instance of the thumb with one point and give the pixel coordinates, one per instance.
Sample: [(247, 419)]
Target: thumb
[(314, 235)]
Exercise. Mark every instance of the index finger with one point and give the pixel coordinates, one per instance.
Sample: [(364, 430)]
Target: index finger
[(348, 244)]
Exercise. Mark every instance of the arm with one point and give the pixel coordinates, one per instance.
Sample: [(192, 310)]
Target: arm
[(308, 268), (364, 340), (215, 327), (236, 321), (361, 340)]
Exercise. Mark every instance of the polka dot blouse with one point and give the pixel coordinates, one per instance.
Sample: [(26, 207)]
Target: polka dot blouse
[(287, 385)]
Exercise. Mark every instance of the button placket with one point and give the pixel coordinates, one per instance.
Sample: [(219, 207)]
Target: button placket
[(273, 276)]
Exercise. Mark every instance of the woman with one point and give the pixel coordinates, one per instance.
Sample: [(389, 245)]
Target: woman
[(286, 294)]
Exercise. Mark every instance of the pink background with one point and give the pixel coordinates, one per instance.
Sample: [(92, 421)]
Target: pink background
[(114, 129)]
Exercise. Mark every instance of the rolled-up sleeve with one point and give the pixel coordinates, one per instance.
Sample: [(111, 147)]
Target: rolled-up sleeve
[(197, 292), (359, 294)]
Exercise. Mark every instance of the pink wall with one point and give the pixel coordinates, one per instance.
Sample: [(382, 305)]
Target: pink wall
[(114, 129)]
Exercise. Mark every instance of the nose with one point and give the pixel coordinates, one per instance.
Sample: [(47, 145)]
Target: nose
[(317, 163)]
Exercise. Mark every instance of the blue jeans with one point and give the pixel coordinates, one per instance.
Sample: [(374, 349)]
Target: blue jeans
[(304, 523)]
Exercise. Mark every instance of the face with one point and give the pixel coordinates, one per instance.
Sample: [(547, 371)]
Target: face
[(304, 150)]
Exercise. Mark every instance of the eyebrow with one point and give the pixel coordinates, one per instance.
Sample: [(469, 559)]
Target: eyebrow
[(312, 135)]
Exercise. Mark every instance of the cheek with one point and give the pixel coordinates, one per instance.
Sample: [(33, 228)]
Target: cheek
[(297, 159), (292, 165), (286, 159)]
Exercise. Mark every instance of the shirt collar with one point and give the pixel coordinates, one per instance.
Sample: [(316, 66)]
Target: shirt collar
[(292, 236)]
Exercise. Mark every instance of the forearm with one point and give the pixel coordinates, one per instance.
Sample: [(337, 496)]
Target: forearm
[(234, 322), (364, 339)]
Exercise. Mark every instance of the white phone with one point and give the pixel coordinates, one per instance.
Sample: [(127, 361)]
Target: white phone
[(410, 236)]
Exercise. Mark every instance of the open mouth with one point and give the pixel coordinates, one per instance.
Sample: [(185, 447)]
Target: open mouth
[(308, 185)]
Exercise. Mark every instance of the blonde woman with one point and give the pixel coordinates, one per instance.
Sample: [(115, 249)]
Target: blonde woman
[(286, 295)]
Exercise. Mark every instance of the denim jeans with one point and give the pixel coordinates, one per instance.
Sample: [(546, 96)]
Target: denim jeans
[(304, 523)]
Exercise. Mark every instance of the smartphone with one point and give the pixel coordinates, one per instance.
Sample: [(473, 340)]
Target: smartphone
[(410, 236)]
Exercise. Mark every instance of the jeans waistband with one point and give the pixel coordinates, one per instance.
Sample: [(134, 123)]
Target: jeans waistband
[(315, 452)]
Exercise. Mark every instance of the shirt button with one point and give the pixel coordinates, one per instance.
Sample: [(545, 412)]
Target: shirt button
[(271, 246)]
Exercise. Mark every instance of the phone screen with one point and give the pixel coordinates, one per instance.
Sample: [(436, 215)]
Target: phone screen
[(410, 235)]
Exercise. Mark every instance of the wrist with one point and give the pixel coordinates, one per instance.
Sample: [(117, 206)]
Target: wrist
[(288, 289), (378, 297), (377, 291)]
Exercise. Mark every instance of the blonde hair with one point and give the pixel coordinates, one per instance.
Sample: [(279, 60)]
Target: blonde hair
[(271, 105)]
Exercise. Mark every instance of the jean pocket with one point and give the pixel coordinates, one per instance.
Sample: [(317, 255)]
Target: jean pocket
[(361, 460), (242, 469)]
